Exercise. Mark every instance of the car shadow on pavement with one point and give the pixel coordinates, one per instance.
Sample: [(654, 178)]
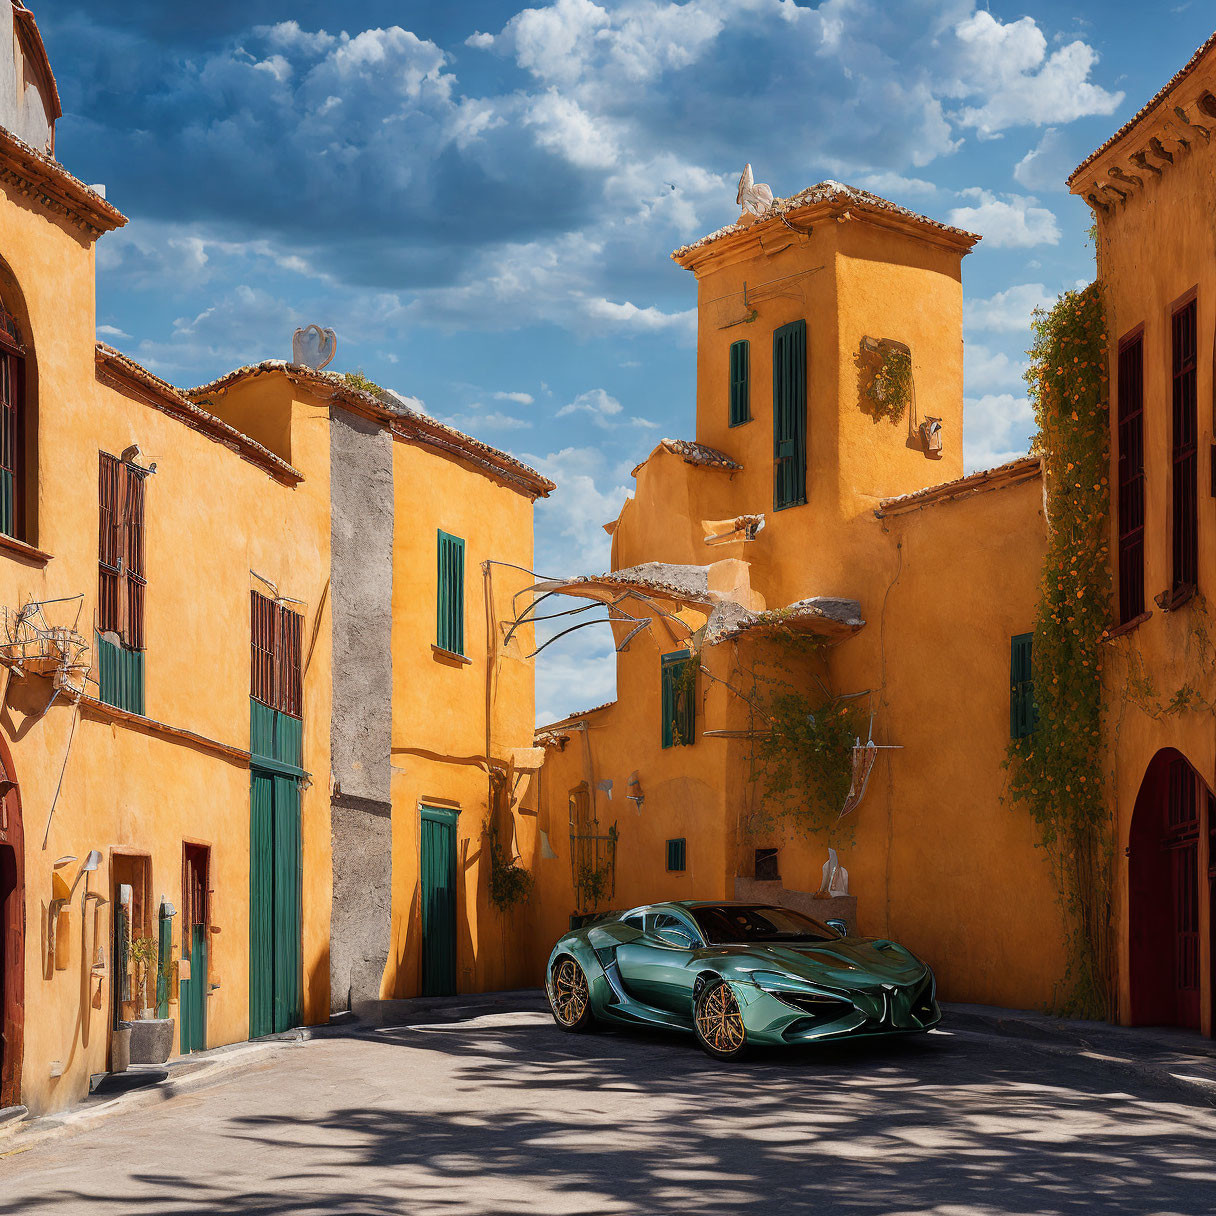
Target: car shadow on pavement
[(531, 1120)]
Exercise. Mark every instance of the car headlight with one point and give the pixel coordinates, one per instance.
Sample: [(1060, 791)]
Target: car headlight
[(785, 987)]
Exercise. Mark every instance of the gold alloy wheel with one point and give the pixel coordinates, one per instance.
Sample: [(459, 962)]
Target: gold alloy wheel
[(570, 994), (719, 1020)]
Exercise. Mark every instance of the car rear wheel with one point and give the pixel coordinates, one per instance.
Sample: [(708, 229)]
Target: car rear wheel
[(570, 996), (718, 1022)]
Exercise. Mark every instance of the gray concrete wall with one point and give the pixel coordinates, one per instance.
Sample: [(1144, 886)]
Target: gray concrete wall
[(361, 599)]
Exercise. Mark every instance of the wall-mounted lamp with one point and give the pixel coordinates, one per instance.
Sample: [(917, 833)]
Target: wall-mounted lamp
[(931, 435)]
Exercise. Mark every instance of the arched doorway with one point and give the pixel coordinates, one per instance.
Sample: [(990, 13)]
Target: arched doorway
[(1166, 970), (12, 933)]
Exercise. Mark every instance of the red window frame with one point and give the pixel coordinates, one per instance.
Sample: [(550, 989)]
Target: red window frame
[(1185, 450), (276, 634), (1131, 477)]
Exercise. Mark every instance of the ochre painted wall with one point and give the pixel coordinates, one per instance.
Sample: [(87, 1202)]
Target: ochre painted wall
[(444, 711), (210, 517), (1153, 249)]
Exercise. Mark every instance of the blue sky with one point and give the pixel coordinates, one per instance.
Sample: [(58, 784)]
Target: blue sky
[(481, 199)]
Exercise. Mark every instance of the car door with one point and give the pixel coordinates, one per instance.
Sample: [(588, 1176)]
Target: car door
[(655, 967)]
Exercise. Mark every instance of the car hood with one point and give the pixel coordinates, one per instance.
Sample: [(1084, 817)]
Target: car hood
[(850, 962)]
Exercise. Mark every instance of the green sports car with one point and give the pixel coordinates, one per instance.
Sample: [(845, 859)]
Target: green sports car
[(737, 975)]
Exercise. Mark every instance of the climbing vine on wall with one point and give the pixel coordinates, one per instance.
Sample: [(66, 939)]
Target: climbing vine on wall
[(1057, 771), (510, 883), (886, 380), (800, 731)]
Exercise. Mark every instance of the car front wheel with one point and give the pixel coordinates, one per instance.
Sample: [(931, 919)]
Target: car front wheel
[(718, 1022), (570, 996)]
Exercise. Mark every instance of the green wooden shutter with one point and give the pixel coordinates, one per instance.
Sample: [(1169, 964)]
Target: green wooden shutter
[(1023, 713), (261, 905), (740, 383), (450, 607), (438, 856), (192, 994), (676, 855), (120, 675), (789, 415), (678, 700)]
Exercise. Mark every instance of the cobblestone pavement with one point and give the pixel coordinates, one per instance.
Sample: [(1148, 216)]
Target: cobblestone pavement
[(474, 1111)]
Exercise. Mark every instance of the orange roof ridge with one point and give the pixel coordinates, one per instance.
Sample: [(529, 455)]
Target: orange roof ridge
[(406, 421), (1150, 105), (173, 401), (1014, 472), (831, 197)]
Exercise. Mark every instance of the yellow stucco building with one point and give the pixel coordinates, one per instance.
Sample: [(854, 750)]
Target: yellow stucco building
[(256, 698), (803, 541), (805, 508)]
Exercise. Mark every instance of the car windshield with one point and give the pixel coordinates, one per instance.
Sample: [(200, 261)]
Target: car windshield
[(730, 923)]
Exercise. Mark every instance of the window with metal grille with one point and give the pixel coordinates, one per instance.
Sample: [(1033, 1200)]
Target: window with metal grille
[(740, 383), (676, 855), (275, 660), (678, 673), (1185, 489), (450, 599), (1023, 713), (1131, 479), (789, 415), (12, 426)]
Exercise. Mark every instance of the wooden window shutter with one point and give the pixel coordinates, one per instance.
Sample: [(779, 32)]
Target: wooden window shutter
[(789, 415), (1185, 487), (109, 544), (678, 699), (276, 671), (449, 632), (134, 579), (1131, 479), (1023, 713), (740, 386)]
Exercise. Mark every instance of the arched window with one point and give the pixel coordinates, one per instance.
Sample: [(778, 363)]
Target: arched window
[(12, 424)]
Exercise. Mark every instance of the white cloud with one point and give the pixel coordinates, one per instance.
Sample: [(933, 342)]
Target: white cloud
[(1007, 311), (1007, 65), (1011, 222), (996, 428), (1047, 166), (985, 369), (517, 398), (895, 184), (495, 421), (571, 521), (629, 316), (112, 331), (601, 405)]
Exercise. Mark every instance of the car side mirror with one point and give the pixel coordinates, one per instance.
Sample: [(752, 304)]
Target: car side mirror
[(839, 925), (674, 937)]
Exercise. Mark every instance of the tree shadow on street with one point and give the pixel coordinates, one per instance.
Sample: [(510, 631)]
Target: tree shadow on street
[(531, 1120)]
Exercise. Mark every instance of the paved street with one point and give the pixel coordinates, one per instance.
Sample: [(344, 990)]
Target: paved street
[(501, 1113)]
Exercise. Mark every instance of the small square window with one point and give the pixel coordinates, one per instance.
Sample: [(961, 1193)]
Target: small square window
[(676, 856)]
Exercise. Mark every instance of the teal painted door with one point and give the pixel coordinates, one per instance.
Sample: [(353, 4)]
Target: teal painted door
[(192, 994), (275, 981), (438, 902)]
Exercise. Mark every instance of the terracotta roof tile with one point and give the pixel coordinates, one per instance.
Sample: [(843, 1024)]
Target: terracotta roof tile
[(174, 402), (1024, 468), (1151, 104), (835, 196), (407, 421)]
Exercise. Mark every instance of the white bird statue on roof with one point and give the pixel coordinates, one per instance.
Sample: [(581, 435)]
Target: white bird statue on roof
[(755, 199)]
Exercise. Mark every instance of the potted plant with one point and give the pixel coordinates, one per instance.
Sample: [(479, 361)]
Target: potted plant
[(151, 1036)]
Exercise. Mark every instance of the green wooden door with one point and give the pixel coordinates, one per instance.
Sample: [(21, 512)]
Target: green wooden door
[(192, 994), (287, 928), (438, 902), (261, 905), (275, 980)]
